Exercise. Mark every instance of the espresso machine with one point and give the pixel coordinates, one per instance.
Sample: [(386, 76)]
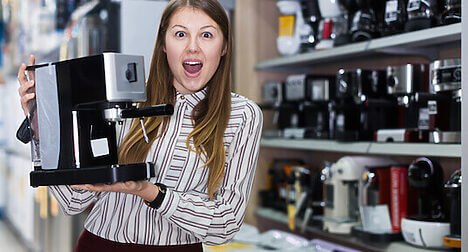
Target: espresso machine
[(428, 226), (453, 191), (361, 105), (445, 108), (334, 26), (367, 21), (294, 33), (451, 11), (73, 119), (395, 17), (422, 14), (310, 95), (342, 183), (409, 85)]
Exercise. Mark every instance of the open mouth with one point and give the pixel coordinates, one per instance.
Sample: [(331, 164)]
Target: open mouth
[(192, 66)]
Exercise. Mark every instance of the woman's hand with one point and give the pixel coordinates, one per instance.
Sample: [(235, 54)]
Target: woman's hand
[(26, 90), (142, 188)]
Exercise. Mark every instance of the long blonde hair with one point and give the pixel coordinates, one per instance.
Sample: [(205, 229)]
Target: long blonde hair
[(210, 116)]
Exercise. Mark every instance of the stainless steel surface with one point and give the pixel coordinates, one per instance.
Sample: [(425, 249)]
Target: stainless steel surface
[(446, 74), (406, 79), (445, 137), (118, 87)]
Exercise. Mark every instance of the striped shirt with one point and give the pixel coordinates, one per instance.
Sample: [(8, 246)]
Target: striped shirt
[(186, 215)]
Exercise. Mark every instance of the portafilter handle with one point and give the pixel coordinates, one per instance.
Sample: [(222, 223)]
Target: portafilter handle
[(157, 110)]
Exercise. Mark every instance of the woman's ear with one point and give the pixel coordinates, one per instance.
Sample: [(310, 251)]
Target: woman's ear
[(223, 52)]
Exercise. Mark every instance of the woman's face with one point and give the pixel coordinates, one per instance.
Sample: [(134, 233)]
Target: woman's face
[(194, 46)]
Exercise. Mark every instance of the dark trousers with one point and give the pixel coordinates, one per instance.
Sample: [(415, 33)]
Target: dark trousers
[(89, 242)]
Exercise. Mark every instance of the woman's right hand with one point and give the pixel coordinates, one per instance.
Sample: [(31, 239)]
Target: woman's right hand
[(26, 90)]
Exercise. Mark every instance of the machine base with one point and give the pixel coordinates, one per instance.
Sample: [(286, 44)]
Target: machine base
[(107, 174)]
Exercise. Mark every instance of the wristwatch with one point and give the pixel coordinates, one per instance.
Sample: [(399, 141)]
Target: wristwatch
[(156, 203)]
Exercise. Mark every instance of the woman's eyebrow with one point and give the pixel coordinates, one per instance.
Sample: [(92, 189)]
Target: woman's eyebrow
[(180, 26)]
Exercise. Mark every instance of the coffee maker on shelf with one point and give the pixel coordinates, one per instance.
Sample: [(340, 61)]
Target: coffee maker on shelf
[(73, 119), (409, 85), (310, 95), (445, 110), (367, 20), (295, 34), (361, 105), (334, 26), (428, 226), (395, 17), (342, 184), (422, 14), (451, 11), (453, 190)]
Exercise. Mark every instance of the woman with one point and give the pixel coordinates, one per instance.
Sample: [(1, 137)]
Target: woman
[(205, 154)]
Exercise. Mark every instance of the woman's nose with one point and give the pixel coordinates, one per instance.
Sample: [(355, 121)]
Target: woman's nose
[(193, 45)]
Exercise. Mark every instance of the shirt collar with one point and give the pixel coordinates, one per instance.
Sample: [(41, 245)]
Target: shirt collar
[(192, 99)]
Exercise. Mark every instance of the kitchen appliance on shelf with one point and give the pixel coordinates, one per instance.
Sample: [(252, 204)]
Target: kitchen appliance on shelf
[(445, 111), (395, 17), (334, 26), (342, 184), (409, 85), (73, 119), (428, 226), (294, 34), (367, 20), (451, 11), (273, 100), (312, 94), (453, 188), (422, 14), (361, 105)]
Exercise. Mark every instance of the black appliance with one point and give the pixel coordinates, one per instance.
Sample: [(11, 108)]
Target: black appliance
[(73, 119), (395, 17), (451, 12), (361, 105), (367, 20), (453, 192), (311, 14), (422, 14), (425, 175)]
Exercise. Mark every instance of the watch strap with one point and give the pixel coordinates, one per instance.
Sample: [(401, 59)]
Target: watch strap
[(156, 203)]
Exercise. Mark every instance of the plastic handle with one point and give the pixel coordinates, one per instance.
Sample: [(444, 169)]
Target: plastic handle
[(157, 110)]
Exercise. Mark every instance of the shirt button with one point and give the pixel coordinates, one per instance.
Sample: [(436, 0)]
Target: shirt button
[(182, 97)]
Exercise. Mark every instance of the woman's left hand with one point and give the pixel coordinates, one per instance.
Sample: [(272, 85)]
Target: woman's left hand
[(142, 188)]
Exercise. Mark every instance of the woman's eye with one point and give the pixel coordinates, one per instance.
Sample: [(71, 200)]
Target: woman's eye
[(180, 34), (207, 35)]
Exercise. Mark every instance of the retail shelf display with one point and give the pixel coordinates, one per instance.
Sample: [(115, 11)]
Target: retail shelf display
[(423, 42), (405, 149)]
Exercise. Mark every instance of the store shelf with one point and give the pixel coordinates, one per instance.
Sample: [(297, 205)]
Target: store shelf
[(405, 149), (272, 219), (417, 43)]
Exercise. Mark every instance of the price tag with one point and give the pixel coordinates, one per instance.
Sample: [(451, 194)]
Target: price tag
[(413, 5), (391, 11)]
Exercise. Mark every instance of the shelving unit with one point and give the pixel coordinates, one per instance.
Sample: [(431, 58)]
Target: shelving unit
[(404, 149), (424, 42)]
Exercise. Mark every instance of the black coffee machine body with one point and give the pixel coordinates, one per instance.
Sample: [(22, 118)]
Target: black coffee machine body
[(367, 20), (422, 14), (361, 105), (453, 192), (445, 108), (395, 17), (73, 119), (451, 11)]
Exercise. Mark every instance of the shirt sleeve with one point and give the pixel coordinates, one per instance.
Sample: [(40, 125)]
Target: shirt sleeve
[(73, 201), (217, 221)]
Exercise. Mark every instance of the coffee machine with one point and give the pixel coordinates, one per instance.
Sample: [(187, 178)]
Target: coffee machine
[(367, 21), (445, 107), (73, 119), (395, 17), (422, 14), (453, 191), (361, 105), (451, 11), (334, 26), (342, 181), (310, 95), (409, 85), (294, 33), (428, 226)]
